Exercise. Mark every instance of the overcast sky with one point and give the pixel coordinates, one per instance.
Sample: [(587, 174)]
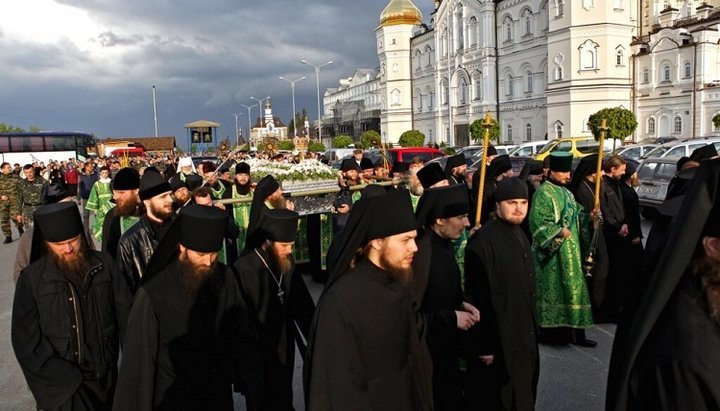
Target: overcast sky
[(90, 64)]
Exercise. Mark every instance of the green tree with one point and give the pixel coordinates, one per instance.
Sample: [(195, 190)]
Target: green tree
[(9, 128), (412, 138), (179, 151), (286, 145), (477, 130), (342, 141), (621, 123), (716, 120), (370, 139), (316, 146)]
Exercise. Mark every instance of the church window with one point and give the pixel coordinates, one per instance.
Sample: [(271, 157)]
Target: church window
[(463, 91), (559, 8), (646, 76), (558, 73), (420, 99), (477, 82), (429, 53), (529, 81), (446, 92), (527, 21), (651, 125), (472, 31), (677, 125), (509, 88), (508, 26), (418, 62), (430, 103), (619, 58), (508, 133), (688, 70), (395, 97), (460, 31), (588, 55), (528, 132), (666, 72)]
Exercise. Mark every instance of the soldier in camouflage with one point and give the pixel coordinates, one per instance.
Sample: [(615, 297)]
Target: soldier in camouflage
[(31, 194), (9, 202)]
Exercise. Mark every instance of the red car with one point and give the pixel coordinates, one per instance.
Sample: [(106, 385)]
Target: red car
[(406, 154)]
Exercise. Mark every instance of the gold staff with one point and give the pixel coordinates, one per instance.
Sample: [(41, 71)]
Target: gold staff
[(590, 260), (487, 124)]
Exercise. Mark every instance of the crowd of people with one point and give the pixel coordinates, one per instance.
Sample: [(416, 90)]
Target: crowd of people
[(436, 294)]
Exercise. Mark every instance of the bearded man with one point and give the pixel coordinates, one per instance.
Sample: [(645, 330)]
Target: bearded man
[(502, 358), (268, 195), (186, 325), (187, 168), (242, 189), (367, 349), (125, 188), (280, 311), (69, 315), (455, 169), (138, 244), (666, 356)]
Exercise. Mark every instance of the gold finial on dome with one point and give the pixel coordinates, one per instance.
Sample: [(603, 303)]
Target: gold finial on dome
[(400, 12)]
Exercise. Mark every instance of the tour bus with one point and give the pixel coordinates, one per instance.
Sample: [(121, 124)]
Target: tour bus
[(26, 148)]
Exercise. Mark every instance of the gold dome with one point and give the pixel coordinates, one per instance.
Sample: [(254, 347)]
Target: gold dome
[(400, 12)]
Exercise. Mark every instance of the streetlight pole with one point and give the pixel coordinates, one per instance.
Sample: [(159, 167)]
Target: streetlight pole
[(260, 105), (249, 133), (292, 87), (237, 133), (317, 83)]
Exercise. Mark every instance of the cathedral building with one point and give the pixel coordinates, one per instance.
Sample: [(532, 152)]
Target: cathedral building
[(540, 67)]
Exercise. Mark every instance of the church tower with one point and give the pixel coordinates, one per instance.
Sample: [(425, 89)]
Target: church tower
[(269, 121), (397, 22)]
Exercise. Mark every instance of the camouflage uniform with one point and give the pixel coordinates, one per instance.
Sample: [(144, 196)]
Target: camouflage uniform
[(31, 197), (10, 208)]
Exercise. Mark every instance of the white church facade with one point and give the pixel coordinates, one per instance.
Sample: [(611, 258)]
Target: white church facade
[(542, 67)]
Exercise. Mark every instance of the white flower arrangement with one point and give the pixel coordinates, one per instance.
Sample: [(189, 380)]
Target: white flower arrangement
[(303, 172)]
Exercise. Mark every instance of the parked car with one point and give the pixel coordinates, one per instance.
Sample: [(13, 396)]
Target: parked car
[(684, 148), (528, 149), (635, 151), (657, 140), (406, 154), (505, 149), (654, 175), (578, 146)]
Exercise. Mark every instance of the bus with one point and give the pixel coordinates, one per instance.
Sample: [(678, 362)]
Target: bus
[(26, 148)]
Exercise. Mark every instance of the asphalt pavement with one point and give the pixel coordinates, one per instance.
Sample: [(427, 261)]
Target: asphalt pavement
[(571, 377)]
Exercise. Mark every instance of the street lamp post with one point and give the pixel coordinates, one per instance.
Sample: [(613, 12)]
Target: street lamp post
[(249, 133), (260, 105), (292, 87), (237, 134), (317, 83)]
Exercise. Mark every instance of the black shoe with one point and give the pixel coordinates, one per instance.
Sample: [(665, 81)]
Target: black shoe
[(21, 231), (586, 343), (8, 240)]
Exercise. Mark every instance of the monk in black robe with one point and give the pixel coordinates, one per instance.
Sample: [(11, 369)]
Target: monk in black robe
[(268, 195), (443, 212), (187, 324), (367, 350), (125, 190), (666, 356), (500, 278), (280, 311)]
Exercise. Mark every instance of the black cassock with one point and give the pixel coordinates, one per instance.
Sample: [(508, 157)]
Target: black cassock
[(500, 278), (443, 296), (181, 352), (678, 367), (275, 324), (367, 352)]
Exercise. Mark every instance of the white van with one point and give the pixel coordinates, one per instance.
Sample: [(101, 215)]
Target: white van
[(528, 149)]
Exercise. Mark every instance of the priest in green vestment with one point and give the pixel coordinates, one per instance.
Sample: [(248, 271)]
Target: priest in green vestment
[(99, 201), (241, 211), (563, 301)]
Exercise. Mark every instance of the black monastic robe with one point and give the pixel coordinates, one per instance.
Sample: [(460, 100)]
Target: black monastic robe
[(443, 296), (367, 353), (500, 278), (274, 327), (182, 352)]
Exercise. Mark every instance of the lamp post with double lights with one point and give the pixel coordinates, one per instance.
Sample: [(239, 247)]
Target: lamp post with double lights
[(249, 133), (292, 87), (260, 105), (317, 83)]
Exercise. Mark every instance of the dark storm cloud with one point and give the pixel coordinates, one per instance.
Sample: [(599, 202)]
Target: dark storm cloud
[(206, 58)]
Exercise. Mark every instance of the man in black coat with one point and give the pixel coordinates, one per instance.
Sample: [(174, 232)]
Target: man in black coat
[(138, 244), (119, 219), (280, 311), (443, 212), (502, 352), (186, 329), (367, 349), (69, 316)]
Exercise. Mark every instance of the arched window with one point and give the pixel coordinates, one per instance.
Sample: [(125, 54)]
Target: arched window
[(463, 91), (431, 97), (395, 97), (446, 92), (677, 125), (646, 76), (418, 62), (589, 55), (508, 25), (558, 73), (477, 84), (509, 88), (651, 125), (472, 31), (688, 70), (508, 133), (619, 61), (419, 97), (527, 23), (528, 81), (666, 72), (559, 8), (528, 132), (459, 30), (429, 53)]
